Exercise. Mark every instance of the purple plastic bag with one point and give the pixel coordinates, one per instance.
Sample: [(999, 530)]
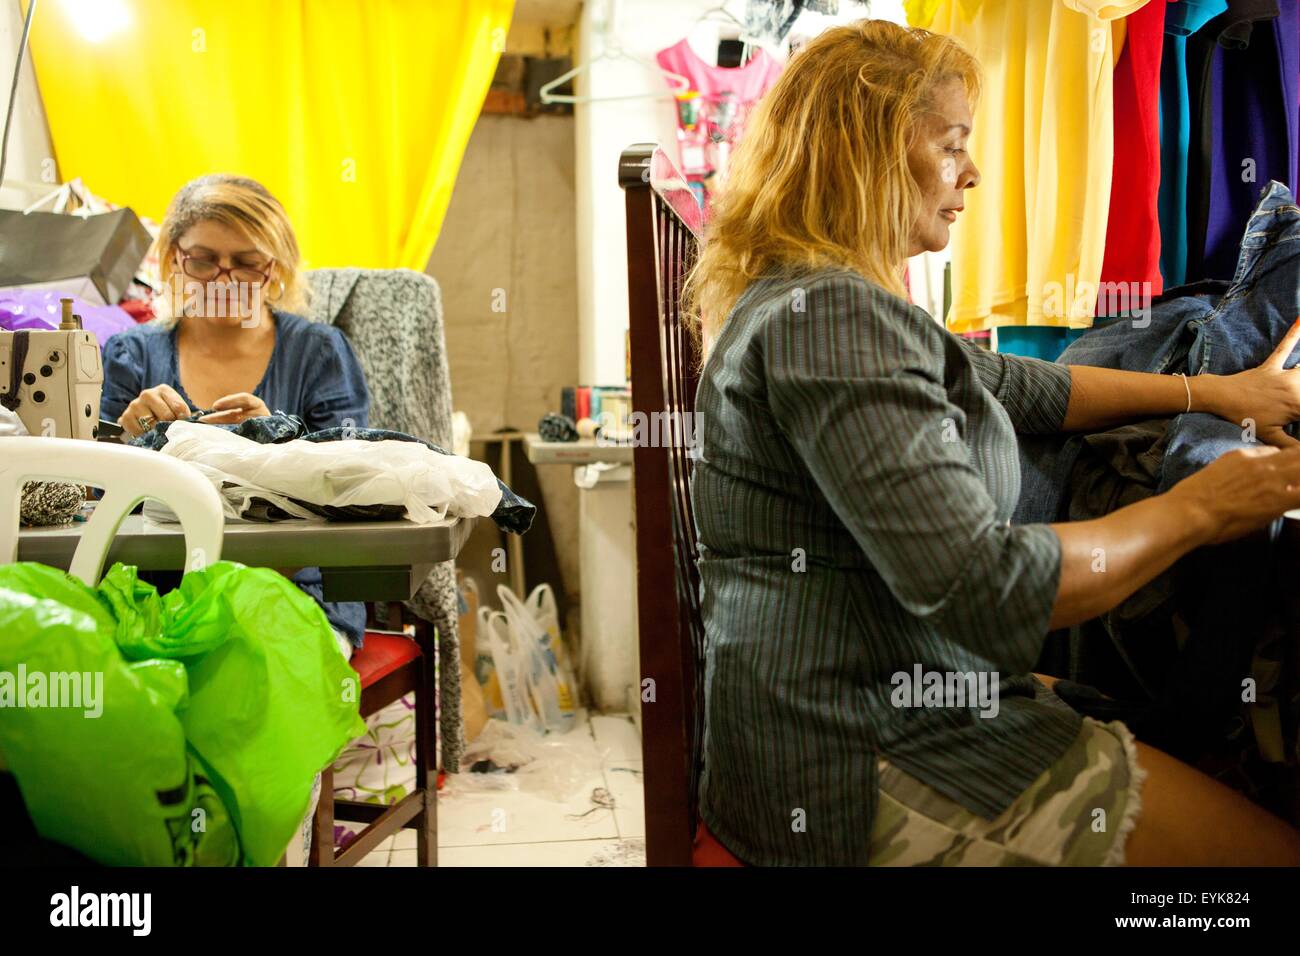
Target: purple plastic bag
[(40, 309)]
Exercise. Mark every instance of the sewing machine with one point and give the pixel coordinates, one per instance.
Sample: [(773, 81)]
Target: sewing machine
[(53, 378)]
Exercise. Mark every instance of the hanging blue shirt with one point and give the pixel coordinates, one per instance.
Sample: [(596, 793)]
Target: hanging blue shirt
[(313, 373), (1181, 21)]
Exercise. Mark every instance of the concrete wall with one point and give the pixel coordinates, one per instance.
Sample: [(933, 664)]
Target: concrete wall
[(510, 227)]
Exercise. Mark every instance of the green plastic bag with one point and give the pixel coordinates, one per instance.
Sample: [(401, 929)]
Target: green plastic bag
[(237, 662), (109, 772)]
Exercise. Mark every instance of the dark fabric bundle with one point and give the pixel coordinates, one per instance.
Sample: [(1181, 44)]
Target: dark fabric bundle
[(557, 428)]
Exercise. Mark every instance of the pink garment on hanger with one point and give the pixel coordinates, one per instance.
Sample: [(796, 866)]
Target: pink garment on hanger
[(726, 95), (747, 83)]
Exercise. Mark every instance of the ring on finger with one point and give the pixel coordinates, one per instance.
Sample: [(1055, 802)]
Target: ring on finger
[(146, 422)]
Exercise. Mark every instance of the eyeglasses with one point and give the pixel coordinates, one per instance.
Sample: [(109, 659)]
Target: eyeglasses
[(207, 270)]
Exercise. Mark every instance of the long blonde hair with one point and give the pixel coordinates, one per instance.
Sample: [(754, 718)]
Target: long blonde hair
[(243, 204), (821, 178)]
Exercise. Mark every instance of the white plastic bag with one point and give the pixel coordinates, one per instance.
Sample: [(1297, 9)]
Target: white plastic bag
[(541, 604), (485, 667), (432, 487), (549, 682), (235, 499), (511, 663), (461, 434), (10, 424)]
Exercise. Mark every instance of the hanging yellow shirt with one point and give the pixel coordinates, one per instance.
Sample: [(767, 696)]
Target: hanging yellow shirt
[(921, 12), (1028, 249)]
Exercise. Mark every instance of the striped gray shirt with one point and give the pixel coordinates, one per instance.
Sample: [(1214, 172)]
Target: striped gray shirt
[(857, 473)]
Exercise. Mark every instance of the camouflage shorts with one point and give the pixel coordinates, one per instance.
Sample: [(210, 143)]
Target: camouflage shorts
[(1077, 813)]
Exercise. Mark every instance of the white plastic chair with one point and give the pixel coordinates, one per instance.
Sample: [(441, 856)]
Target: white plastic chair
[(128, 476)]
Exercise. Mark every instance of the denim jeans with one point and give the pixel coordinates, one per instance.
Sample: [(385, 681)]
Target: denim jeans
[(1209, 327), (1208, 334), (1223, 597)]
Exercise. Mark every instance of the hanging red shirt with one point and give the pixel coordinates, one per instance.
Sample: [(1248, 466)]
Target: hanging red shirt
[(1133, 229)]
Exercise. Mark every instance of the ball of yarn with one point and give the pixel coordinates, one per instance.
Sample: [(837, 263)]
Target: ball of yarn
[(587, 427), (50, 503), (557, 428)]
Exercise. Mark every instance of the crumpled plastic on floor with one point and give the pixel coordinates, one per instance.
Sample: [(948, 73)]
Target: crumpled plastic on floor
[(508, 756)]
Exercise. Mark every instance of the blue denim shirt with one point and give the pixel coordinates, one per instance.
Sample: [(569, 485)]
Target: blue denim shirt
[(313, 372)]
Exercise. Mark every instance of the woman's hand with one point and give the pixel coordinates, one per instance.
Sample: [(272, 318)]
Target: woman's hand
[(1268, 396), (1232, 496), (236, 408), (1242, 491), (158, 404)]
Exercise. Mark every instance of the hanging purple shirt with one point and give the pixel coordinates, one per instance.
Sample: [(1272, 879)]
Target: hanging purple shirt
[(1250, 129)]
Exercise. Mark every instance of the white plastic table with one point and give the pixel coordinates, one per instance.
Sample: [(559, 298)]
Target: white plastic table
[(359, 561)]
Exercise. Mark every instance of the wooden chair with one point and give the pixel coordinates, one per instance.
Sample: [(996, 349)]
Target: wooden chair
[(664, 224), (389, 666)]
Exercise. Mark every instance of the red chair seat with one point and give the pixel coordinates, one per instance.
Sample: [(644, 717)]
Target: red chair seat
[(381, 655), (707, 851)]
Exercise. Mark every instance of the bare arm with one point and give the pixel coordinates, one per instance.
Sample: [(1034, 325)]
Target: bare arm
[(1267, 396), (1105, 560), (1101, 398)]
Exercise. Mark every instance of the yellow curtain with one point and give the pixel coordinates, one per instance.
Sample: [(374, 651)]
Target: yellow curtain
[(354, 113)]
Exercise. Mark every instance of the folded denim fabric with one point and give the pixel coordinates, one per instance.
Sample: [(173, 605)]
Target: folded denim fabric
[(1208, 327)]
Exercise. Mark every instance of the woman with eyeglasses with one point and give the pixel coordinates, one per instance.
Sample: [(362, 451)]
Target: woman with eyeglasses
[(230, 340)]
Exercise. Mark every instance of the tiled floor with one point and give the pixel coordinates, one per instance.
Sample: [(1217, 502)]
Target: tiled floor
[(601, 823)]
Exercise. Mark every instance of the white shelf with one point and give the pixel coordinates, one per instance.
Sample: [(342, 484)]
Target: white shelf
[(584, 451)]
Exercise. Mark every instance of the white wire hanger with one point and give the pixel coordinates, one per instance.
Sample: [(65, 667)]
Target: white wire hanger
[(612, 50), (721, 14)]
